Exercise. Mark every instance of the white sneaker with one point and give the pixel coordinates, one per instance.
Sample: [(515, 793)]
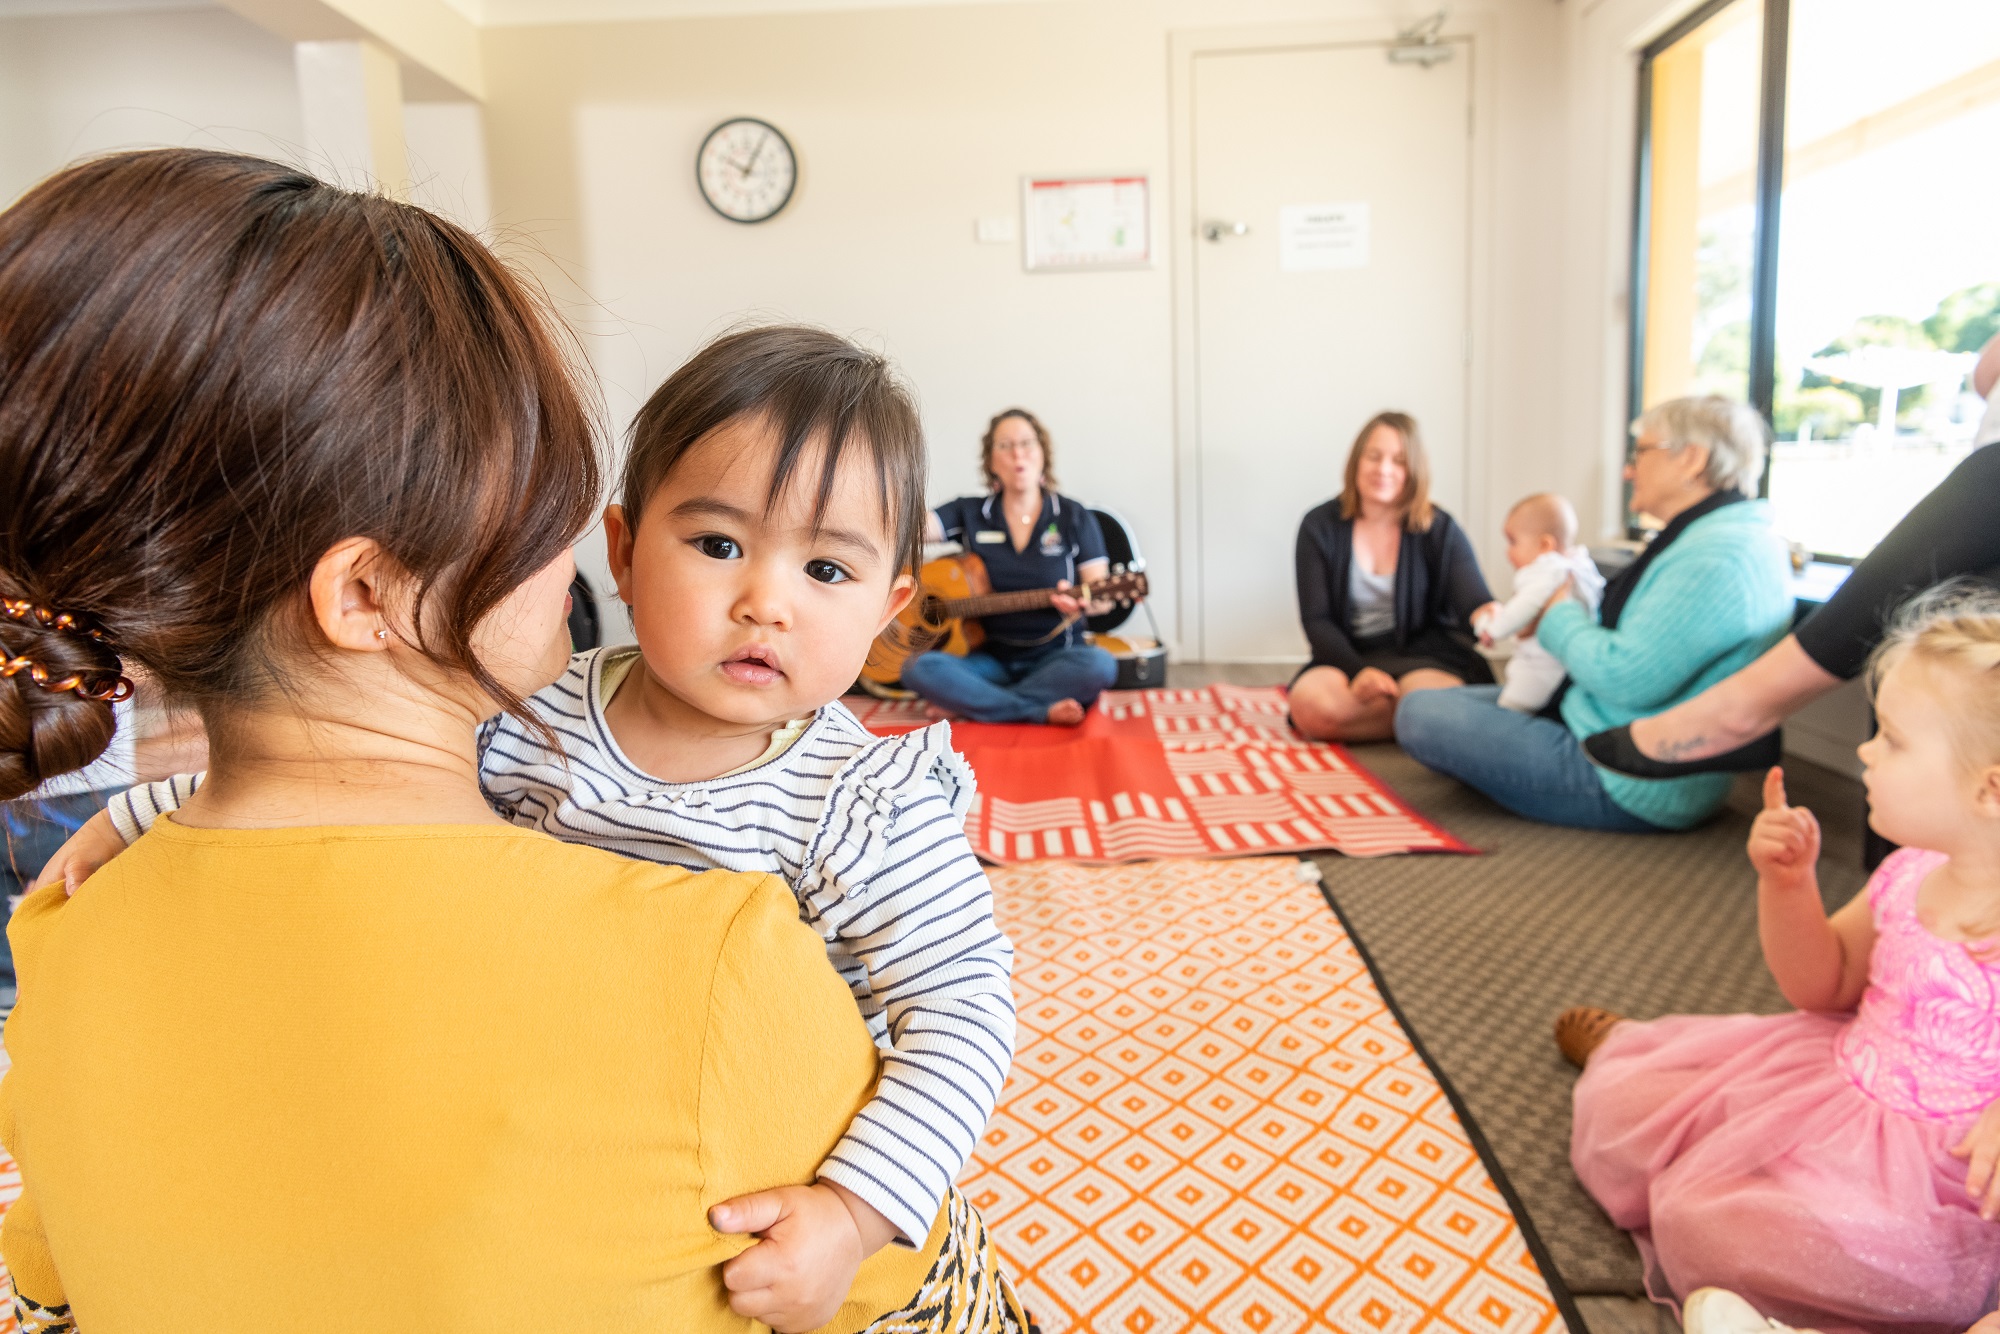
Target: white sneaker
[(1719, 1311)]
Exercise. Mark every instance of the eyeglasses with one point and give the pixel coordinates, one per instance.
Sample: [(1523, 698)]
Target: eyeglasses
[(1640, 447), (1015, 446)]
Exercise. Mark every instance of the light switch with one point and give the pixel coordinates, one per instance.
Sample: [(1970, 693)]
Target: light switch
[(994, 231)]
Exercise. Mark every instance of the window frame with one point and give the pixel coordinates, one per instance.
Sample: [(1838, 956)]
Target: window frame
[(1768, 194)]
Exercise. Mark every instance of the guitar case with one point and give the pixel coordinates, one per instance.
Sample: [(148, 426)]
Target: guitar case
[(1142, 662)]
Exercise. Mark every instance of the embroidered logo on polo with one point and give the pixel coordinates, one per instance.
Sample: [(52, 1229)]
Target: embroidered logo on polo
[(1052, 540)]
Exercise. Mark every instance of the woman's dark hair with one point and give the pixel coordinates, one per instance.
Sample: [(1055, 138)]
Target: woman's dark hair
[(808, 385), (1041, 434), (212, 369), (1416, 497)]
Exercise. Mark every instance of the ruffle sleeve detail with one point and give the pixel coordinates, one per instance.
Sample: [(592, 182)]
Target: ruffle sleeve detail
[(852, 840)]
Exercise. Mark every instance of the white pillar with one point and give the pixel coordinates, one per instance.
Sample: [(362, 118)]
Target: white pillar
[(1885, 414), (351, 105)]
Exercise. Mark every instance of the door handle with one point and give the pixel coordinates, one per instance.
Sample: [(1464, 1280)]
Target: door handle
[(1216, 231)]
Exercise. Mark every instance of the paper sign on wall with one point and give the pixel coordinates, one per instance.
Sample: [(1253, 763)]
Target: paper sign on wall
[(1322, 236), (1088, 222)]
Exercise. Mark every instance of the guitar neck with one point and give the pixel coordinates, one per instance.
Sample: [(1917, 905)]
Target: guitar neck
[(996, 604)]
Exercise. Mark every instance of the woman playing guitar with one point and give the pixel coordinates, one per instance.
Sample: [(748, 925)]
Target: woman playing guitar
[(1034, 666)]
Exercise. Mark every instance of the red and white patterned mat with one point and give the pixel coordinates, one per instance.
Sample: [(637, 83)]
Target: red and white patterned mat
[(1215, 1123), (1213, 772)]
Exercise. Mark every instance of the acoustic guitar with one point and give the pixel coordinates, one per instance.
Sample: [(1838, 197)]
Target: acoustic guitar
[(953, 592)]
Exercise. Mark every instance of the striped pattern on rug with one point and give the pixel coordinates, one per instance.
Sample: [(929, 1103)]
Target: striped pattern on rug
[(1210, 772), (1215, 1122)]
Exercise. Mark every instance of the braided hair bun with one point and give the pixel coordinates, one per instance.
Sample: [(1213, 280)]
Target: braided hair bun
[(57, 684), (215, 368)]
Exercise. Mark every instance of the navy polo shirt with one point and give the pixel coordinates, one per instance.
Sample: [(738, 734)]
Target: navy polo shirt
[(1064, 537)]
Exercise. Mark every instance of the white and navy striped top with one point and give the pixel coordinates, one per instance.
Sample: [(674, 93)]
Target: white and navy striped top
[(869, 833)]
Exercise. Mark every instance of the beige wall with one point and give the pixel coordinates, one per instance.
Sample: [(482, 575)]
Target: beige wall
[(74, 85), (78, 84), (912, 123)]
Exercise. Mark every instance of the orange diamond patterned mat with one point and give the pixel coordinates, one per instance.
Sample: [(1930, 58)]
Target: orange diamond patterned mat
[(10, 1190), (1213, 772), (1215, 1122)]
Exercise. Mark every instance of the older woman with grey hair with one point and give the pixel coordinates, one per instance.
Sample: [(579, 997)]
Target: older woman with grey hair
[(1705, 598)]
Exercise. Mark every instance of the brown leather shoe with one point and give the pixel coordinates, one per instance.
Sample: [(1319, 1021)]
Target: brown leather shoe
[(1580, 1029)]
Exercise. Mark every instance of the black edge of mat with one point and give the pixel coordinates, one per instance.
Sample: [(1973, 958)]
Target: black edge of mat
[(1558, 1289)]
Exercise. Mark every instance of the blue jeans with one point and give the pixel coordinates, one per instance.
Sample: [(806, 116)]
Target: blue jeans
[(30, 832), (1020, 689), (1532, 766)]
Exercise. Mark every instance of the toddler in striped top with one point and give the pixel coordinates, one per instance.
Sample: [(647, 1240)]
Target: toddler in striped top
[(771, 518)]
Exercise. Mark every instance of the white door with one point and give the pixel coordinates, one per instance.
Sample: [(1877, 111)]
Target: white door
[(1298, 346)]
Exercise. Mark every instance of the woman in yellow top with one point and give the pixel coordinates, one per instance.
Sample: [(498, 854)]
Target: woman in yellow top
[(335, 1044)]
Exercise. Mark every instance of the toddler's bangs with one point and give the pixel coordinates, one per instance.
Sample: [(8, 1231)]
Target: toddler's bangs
[(813, 390)]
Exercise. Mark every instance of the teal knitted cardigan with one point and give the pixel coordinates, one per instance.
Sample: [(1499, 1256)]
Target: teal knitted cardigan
[(1712, 602)]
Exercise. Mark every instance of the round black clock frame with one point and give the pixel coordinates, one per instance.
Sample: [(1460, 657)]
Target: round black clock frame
[(702, 187)]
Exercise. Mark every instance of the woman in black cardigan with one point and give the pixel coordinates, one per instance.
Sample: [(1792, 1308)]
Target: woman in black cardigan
[(1387, 587)]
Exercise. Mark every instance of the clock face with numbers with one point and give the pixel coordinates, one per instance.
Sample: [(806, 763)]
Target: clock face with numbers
[(746, 169)]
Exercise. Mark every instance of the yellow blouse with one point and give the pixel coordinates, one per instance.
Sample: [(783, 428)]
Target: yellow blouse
[(443, 1077)]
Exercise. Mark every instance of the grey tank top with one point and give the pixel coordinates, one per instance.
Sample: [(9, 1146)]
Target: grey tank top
[(1371, 599)]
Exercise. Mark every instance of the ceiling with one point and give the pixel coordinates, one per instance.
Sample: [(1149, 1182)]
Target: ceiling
[(513, 13)]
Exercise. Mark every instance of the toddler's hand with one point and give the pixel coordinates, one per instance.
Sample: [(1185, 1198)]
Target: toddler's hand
[(811, 1240), (1981, 1149), (1784, 841), (92, 845)]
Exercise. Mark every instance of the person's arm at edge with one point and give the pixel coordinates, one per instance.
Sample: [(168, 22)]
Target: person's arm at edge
[(1330, 644), (1986, 372)]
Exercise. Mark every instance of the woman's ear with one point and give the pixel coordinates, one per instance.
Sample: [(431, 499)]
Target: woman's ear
[(619, 537), (352, 596), (1692, 461)]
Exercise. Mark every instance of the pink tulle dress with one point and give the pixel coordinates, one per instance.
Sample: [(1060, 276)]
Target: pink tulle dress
[(1801, 1159)]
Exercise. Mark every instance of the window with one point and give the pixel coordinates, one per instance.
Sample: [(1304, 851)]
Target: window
[(1822, 246), (1700, 217)]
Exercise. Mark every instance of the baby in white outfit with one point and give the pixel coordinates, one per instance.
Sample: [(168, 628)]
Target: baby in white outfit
[(1541, 546)]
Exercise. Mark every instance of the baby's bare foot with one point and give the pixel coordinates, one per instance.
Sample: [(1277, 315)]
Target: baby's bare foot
[(1065, 713)]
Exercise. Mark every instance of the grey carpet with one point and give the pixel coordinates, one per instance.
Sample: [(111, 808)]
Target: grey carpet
[(1481, 952)]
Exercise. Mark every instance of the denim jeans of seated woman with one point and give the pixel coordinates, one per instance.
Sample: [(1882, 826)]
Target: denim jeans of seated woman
[(987, 689), (1532, 766), (31, 829)]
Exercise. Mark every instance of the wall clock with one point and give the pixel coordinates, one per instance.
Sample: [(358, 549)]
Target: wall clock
[(746, 169)]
